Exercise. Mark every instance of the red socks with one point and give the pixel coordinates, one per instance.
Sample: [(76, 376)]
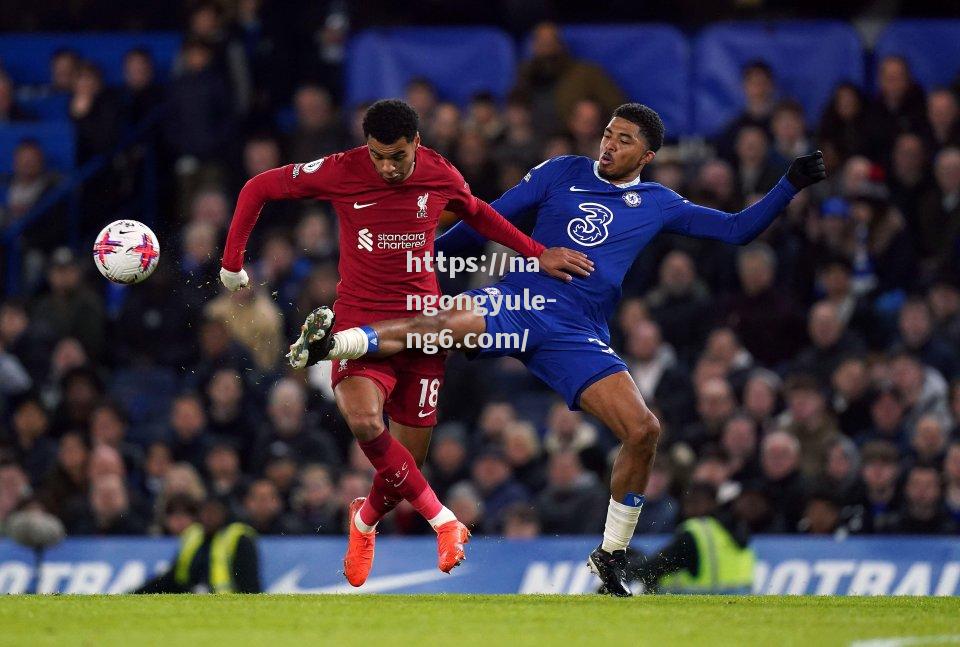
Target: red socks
[(397, 475)]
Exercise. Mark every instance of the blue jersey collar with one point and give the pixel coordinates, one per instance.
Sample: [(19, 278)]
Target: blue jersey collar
[(596, 171)]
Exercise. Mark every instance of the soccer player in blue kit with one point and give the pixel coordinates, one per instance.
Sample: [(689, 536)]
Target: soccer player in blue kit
[(599, 207)]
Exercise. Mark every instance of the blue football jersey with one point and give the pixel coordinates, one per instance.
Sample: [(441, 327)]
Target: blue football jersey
[(610, 223)]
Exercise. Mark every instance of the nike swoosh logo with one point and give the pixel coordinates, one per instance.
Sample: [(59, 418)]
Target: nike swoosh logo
[(573, 188), (357, 205), (400, 482), (424, 414), (290, 582)]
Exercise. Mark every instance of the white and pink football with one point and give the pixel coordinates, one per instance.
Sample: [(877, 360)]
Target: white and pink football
[(126, 251)]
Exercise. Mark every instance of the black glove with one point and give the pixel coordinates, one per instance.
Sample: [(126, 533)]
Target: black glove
[(807, 170)]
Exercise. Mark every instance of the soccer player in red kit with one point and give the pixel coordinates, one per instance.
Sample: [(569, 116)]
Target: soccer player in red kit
[(388, 197)]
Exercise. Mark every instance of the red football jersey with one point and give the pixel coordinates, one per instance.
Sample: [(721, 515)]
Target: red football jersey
[(381, 222)]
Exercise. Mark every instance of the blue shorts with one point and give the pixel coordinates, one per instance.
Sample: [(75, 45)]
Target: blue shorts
[(567, 354)]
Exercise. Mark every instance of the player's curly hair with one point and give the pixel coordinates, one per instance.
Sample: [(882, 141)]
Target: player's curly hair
[(651, 126), (390, 119)]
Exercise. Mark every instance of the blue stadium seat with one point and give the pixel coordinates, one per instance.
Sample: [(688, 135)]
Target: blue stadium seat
[(50, 107), (931, 47), (650, 62), (55, 137), (460, 61), (809, 58), (26, 57)]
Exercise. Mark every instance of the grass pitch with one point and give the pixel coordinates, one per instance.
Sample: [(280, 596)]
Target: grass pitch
[(488, 620)]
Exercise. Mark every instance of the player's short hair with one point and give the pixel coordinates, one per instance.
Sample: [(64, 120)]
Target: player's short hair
[(651, 126), (390, 119)]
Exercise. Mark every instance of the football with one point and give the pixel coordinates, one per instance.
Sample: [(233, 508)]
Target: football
[(126, 251)]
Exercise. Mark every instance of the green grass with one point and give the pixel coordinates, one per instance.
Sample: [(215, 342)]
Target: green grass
[(460, 620)]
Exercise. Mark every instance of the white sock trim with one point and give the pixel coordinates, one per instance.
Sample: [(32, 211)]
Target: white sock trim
[(362, 527), (442, 517), (619, 527), (349, 344)]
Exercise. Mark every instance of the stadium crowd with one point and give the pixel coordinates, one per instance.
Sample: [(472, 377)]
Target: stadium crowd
[(818, 366)]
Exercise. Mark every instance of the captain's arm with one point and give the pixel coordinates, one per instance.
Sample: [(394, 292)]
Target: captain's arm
[(681, 216)]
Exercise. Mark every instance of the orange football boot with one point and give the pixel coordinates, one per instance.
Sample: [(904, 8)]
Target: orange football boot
[(451, 537), (359, 558)]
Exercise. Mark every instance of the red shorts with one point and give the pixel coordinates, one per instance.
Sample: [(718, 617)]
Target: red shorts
[(410, 382)]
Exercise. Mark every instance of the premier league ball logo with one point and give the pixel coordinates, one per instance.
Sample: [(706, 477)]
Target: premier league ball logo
[(632, 198)]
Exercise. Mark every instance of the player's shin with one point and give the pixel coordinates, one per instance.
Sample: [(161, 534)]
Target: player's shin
[(621, 522), (396, 465), (382, 499)]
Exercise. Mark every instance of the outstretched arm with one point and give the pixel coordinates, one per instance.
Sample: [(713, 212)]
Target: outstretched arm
[(314, 179), (682, 217)]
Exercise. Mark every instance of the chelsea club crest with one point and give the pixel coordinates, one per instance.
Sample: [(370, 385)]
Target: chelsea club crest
[(632, 198)]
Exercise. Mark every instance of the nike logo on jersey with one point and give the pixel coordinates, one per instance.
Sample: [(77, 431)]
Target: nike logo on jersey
[(424, 414), (357, 205), (573, 188)]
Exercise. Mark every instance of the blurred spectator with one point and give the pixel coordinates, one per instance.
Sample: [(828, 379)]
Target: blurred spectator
[(938, 213), (757, 172), (314, 501), (915, 325), (568, 431), (520, 521), (661, 382), (188, 422), (110, 510), (821, 515), (923, 512), (910, 178), (444, 130), (14, 488), (497, 487), (30, 181), (71, 309), (573, 501), (95, 114), (228, 414), (199, 122), (923, 388), (554, 81), (681, 304), (263, 509), (585, 126), (141, 95), (808, 419), (448, 458), (64, 489), (789, 133), (880, 472), (898, 107), (943, 117), (760, 396), (830, 342), (225, 479), (715, 404), (762, 307), (108, 426), (422, 96), (30, 445), (739, 442), (842, 123), (465, 502), (841, 474), (929, 441), (850, 399), (944, 299), (521, 445), (886, 418), (317, 131), (759, 92), (180, 512), (289, 431), (483, 117), (783, 481), (64, 68)]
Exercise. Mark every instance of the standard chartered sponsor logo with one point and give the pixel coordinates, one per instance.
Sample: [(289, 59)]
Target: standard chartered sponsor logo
[(365, 240), (390, 242)]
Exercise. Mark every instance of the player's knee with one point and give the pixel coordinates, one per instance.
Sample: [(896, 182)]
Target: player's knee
[(365, 425), (644, 434)]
